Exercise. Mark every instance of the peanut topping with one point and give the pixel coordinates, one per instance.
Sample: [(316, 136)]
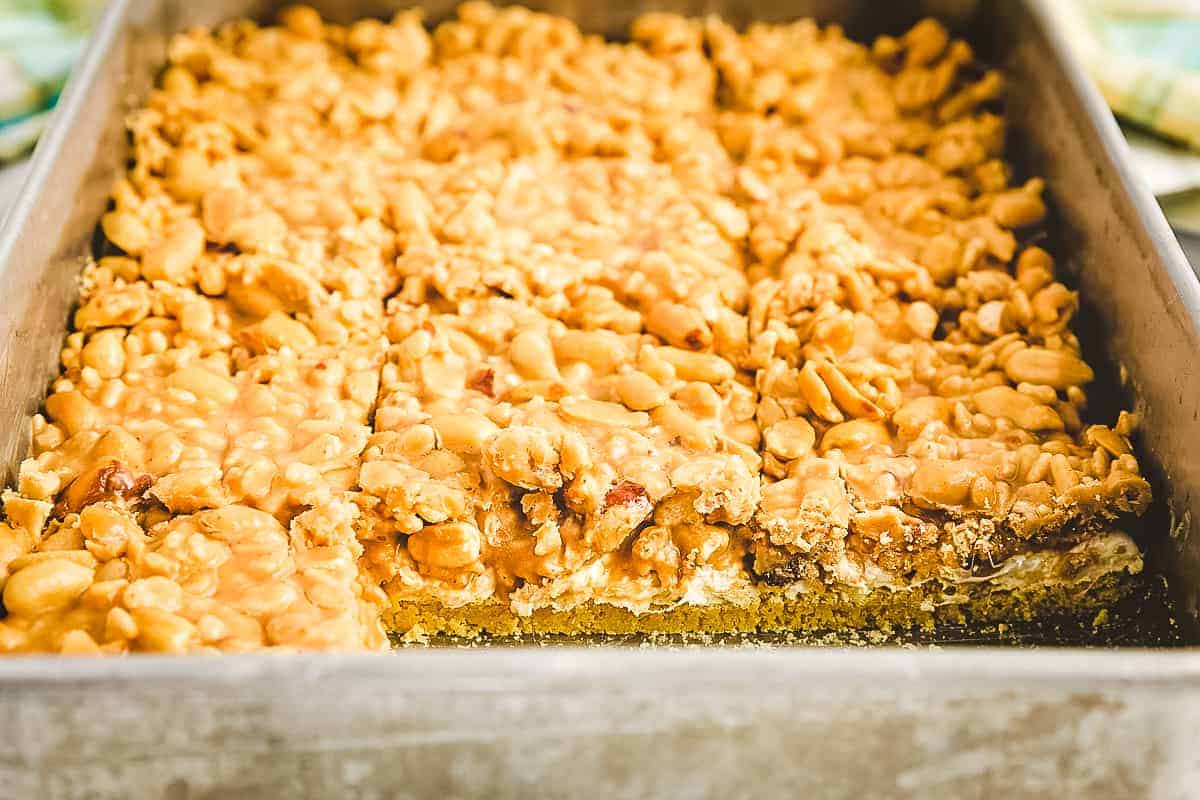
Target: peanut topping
[(506, 312), (624, 494)]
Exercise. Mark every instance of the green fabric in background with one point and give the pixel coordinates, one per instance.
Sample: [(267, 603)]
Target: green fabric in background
[(1164, 39), (1144, 56), (39, 41)]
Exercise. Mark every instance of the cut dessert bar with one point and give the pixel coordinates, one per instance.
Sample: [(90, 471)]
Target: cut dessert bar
[(550, 467), (183, 489), (505, 328)]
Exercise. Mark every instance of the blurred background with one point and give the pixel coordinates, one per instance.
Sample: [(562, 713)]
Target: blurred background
[(39, 41), (1144, 56)]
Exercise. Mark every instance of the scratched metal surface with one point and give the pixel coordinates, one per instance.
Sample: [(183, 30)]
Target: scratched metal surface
[(728, 723), (920, 718)]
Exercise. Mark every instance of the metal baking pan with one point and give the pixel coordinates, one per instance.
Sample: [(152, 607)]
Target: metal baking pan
[(726, 721)]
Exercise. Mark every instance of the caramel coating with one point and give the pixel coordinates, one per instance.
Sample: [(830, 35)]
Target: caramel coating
[(506, 312)]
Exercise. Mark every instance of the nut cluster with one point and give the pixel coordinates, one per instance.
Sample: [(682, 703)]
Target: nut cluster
[(503, 311)]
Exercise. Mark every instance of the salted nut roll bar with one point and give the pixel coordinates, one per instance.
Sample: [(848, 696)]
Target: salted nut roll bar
[(500, 327)]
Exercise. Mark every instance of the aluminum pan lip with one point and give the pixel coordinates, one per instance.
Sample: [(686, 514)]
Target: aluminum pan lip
[(54, 142), (561, 668), (566, 669)]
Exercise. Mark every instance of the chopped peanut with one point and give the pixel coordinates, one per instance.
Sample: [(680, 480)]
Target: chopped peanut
[(506, 313)]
